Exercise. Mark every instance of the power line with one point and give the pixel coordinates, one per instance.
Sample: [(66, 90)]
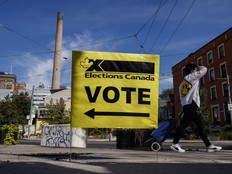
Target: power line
[(177, 27), (95, 43), (23, 36), (20, 55), (110, 40), (144, 25), (163, 26), (106, 41), (154, 17), (29, 39), (50, 52), (46, 72)]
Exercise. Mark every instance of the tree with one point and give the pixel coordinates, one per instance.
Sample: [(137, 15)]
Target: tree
[(165, 93), (57, 113), (14, 109), (204, 109)]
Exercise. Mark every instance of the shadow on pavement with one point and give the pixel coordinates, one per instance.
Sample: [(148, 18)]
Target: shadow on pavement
[(91, 168)]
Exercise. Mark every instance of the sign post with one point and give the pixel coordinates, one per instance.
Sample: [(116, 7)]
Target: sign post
[(114, 90), (229, 107)]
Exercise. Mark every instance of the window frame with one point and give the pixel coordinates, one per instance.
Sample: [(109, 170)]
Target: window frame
[(215, 119), (211, 94), (210, 70), (223, 89), (221, 75), (199, 60), (182, 71), (207, 55), (220, 56)]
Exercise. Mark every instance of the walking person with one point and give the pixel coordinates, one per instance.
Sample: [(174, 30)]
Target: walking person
[(190, 101)]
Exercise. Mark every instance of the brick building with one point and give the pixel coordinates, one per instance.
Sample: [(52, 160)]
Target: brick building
[(20, 87), (216, 55), (7, 81), (8, 85)]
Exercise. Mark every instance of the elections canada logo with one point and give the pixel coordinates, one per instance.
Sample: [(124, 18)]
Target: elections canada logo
[(118, 69)]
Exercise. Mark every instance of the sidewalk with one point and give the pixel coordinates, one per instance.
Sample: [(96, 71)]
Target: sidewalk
[(36, 159)]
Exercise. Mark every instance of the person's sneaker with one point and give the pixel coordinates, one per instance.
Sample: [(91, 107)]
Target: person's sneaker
[(177, 148), (213, 148)]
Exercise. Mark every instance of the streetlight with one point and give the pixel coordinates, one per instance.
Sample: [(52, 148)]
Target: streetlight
[(229, 95)]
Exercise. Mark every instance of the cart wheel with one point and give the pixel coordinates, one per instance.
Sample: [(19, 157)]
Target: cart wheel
[(155, 146)]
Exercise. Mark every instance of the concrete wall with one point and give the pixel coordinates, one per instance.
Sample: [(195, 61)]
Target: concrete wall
[(56, 135), (61, 136)]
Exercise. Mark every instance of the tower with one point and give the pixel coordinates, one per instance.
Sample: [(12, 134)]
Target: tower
[(57, 53)]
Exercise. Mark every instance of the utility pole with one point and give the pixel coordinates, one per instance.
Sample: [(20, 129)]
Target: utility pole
[(229, 106), (57, 52), (31, 111), (229, 95)]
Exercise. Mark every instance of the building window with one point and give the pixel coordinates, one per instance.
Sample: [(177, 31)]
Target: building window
[(221, 51), (202, 81), (227, 113), (210, 57), (43, 114), (183, 74), (211, 75), (215, 114), (223, 70), (199, 61), (225, 89), (213, 93)]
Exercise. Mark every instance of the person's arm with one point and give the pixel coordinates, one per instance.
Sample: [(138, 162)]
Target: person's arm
[(200, 72)]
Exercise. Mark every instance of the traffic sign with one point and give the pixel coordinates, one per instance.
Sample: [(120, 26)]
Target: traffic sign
[(230, 107), (114, 90)]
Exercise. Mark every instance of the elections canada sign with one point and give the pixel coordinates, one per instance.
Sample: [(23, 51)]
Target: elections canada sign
[(114, 90)]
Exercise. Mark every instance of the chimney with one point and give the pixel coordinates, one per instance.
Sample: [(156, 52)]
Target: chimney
[(57, 53)]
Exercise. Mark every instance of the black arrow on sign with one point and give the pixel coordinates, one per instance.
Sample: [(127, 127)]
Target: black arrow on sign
[(92, 113)]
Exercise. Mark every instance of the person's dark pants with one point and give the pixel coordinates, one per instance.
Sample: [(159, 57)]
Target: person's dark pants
[(191, 115)]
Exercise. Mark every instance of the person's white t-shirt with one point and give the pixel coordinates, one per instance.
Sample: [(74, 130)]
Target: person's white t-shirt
[(189, 87)]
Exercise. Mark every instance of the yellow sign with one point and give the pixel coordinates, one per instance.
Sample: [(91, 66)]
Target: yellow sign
[(114, 90), (40, 123)]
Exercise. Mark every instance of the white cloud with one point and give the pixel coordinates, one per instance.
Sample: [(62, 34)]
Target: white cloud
[(165, 82), (84, 41), (38, 69)]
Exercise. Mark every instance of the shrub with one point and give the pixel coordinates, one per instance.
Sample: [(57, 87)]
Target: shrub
[(226, 135), (11, 134), (98, 132)]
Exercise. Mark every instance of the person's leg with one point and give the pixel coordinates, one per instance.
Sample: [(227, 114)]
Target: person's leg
[(187, 118), (210, 147), (198, 122)]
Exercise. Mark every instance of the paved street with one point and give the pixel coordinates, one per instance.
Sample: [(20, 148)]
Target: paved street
[(103, 157)]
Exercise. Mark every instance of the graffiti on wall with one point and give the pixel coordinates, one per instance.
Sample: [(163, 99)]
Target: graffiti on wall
[(56, 136)]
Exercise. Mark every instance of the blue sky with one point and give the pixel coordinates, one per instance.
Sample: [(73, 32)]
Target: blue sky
[(171, 28)]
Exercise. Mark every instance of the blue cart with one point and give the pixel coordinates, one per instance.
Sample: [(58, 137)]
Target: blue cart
[(159, 135)]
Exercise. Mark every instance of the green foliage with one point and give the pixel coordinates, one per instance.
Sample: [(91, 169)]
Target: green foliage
[(165, 93), (225, 135), (12, 134), (98, 132), (14, 109), (57, 113), (204, 109)]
